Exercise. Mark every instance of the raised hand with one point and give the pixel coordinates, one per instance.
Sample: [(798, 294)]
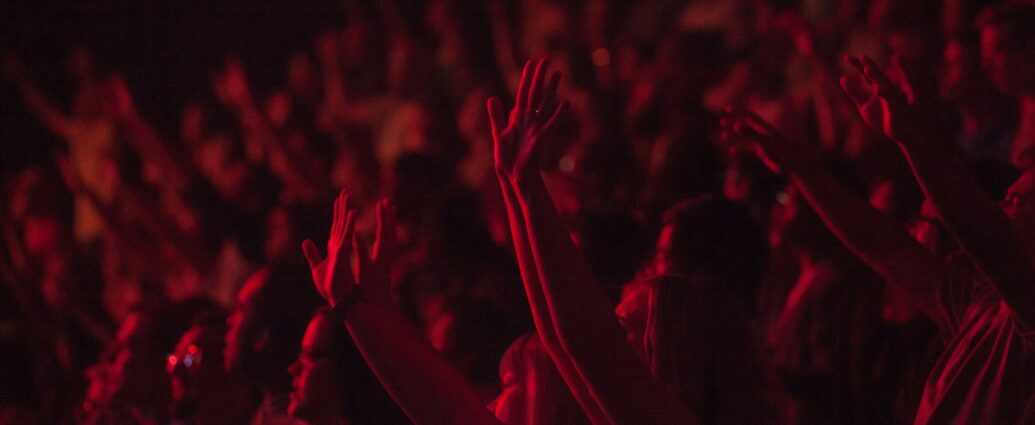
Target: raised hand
[(374, 273), (518, 141), (881, 104), (745, 131), (333, 276)]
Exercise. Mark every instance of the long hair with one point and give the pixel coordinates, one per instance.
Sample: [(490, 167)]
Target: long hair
[(699, 345), (549, 401)]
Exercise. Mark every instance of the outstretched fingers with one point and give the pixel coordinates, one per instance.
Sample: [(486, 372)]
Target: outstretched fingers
[(497, 117), (520, 104), (548, 102), (535, 93), (314, 258), (384, 244)]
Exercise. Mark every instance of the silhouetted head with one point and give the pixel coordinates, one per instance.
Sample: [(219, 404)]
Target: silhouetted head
[(532, 389), (331, 380), (266, 328), (716, 238)]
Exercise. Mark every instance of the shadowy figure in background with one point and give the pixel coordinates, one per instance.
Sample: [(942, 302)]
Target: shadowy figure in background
[(129, 385), (420, 380)]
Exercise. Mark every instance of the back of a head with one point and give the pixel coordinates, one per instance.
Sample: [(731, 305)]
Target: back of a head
[(547, 398), (717, 238), (283, 306), (699, 345)]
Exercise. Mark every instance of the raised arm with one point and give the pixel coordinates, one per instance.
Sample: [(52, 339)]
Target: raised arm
[(52, 118), (583, 320), (175, 170), (876, 238), (231, 86), (985, 233), (505, 152), (420, 381)]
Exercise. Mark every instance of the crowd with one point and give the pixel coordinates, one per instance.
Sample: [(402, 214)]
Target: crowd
[(677, 212)]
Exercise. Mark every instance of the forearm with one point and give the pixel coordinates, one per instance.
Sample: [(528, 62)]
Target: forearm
[(585, 324), (420, 381), (42, 108), (540, 313), (874, 237), (985, 233)]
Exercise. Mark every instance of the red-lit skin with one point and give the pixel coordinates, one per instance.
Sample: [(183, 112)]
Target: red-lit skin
[(632, 315), (576, 311), (315, 396), (395, 351), (1007, 66)]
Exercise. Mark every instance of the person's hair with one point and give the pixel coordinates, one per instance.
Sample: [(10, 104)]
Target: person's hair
[(698, 344), (556, 404), (1015, 18), (718, 238), (283, 306), (366, 401)]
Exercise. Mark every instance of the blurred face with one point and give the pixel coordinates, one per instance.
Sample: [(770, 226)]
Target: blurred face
[(956, 72), (313, 390), (1019, 205), (1007, 65), (195, 365), (512, 405)]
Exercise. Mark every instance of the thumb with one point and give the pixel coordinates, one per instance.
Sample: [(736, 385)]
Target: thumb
[(364, 264), (312, 253)]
